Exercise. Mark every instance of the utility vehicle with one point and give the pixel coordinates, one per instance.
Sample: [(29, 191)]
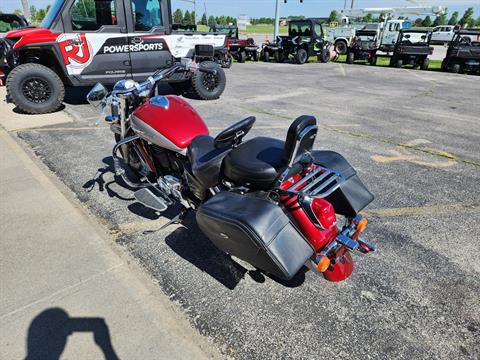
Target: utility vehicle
[(364, 47), (412, 48), (305, 38), (463, 54), (81, 42), (238, 49)]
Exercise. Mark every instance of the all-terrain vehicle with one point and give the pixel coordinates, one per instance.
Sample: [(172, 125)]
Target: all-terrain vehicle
[(81, 42), (463, 54), (305, 38), (363, 47), (238, 49), (412, 48)]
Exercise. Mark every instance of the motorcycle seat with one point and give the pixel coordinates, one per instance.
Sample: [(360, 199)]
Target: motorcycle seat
[(206, 159), (257, 163)]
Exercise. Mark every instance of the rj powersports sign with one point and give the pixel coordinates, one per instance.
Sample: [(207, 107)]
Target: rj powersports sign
[(114, 49)]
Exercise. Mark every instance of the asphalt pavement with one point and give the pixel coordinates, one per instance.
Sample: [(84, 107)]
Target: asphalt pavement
[(413, 138)]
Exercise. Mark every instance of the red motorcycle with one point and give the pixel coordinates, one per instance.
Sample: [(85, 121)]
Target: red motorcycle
[(269, 202)]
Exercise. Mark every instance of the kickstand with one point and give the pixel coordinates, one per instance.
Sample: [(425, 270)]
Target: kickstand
[(176, 220)]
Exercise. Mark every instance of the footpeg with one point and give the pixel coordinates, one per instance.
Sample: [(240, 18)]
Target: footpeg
[(150, 200)]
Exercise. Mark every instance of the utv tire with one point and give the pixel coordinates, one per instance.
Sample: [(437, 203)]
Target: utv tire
[(398, 63), (266, 56), (324, 56), (350, 58), (35, 89), (242, 57), (255, 56), (424, 65), (301, 56), (208, 86), (279, 57), (456, 68), (341, 47), (373, 60)]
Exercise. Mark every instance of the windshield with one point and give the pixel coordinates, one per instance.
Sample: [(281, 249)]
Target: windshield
[(415, 38), (52, 14), (300, 28)]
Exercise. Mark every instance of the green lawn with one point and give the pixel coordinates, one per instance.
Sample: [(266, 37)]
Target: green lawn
[(264, 29), (435, 65)]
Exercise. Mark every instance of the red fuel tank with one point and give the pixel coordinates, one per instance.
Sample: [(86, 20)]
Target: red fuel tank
[(169, 122)]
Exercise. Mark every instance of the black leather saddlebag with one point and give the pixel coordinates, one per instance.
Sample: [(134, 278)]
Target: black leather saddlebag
[(255, 230), (352, 197)]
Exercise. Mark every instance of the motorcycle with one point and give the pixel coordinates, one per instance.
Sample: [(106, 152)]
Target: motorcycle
[(271, 203)]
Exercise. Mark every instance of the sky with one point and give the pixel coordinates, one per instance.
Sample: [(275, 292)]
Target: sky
[(266, 8)]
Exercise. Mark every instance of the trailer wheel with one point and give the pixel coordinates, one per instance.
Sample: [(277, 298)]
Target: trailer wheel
[(266, 56), (456, 68), (425, 64), (350, 58), (242, 56), (341, 47), (209, 86), (301, 56), (35, 88)]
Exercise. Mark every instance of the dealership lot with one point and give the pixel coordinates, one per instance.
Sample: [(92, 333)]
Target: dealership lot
[(413, 138)]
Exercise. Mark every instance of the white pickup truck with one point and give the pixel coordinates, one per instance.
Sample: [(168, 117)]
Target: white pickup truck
[(443, 34)]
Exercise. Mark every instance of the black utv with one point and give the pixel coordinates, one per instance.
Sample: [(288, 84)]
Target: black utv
[(412, 48), (305, 38), (363, 47), (463, 54)]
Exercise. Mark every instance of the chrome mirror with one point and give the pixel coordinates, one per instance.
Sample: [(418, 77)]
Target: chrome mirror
[(97, 95)]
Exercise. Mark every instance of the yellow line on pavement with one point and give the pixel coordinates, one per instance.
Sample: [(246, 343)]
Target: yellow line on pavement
[(423, 210)]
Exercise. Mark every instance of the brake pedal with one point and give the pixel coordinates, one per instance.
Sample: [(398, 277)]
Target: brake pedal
[(149, 199)]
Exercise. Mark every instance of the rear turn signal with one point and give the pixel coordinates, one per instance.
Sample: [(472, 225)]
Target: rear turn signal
[(323, 264), (362, 225)]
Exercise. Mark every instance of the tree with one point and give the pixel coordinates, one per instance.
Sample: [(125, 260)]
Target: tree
[(33, 13), (204, 20), (418, 22), (441, 20), (186, 18), (333, 17), (478, 22), (17, 12), (467, 17), (427, 22), (177, 16), (211, 21), (454, 19), (368, 18), (193, 17)]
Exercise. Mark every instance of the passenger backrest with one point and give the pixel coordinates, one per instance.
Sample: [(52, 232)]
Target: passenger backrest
[(300, 138)]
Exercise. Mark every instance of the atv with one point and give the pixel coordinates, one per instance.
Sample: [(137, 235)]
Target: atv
[(107, 41), (238, 49), (412, 48), (363, 47), (463, 54), (305, 38)]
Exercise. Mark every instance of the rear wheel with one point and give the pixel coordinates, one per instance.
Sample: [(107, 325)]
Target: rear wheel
[(35, 88), (341, 47), (209, 86), (350, 58), (425, 64), (456, 68), (242, 56), (301, 56), (266, 56)]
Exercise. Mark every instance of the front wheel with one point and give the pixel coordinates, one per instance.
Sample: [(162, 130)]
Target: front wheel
[(301, 56), (209, 86), (341, 47), (35, 88), (456, 68)]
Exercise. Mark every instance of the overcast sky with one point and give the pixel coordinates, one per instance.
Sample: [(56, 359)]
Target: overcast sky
[(266, 8)]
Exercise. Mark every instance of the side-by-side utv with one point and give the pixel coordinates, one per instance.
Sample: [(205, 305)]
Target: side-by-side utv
[(363, 47), (305, 38), (412, 48), (463, 54)]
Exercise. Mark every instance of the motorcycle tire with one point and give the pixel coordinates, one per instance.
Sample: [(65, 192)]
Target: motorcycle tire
[(209, 86), (133, 161), (35, 89)]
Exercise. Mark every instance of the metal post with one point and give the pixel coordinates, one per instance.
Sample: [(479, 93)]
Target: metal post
[(353, 3), (26, 10), (345, 4), (277, 19)]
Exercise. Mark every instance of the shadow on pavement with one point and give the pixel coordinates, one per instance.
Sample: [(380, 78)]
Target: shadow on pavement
[(49, 330)]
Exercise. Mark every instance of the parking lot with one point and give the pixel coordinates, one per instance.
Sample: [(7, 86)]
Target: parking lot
[(413, 137)]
